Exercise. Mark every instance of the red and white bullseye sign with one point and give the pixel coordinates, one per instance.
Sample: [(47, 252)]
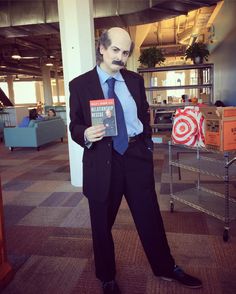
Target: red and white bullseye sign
[(201, 129), (188, 127)]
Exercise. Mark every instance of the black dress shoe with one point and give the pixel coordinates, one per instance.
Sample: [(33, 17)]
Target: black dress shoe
[(111, 287), (183, 278)]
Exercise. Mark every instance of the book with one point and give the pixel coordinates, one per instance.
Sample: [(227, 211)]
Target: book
[(103, 112)]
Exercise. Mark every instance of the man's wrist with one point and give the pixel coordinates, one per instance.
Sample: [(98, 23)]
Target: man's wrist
[(87, 143)]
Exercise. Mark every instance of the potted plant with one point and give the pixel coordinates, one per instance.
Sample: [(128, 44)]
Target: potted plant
[(151, 56), (197, 52)]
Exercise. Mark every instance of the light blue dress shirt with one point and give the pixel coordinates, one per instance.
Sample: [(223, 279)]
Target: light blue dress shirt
[(133, 124)]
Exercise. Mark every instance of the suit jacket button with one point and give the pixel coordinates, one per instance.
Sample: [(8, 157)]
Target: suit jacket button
[(108, 161)]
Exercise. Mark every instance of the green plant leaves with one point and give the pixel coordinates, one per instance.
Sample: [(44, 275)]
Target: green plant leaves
[(151, 56), (197, 50)]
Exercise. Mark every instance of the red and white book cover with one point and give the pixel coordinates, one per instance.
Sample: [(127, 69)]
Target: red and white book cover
[(103, 112)]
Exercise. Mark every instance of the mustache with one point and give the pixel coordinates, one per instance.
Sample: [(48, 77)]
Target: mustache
[(118, 62)]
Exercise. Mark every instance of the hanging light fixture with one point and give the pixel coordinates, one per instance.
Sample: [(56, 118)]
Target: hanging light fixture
[(48, 61), (15, 53), (2, 64), (49, 56), (17, 78)]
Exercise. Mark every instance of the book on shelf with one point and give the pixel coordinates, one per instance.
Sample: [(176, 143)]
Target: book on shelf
[(103, 112)]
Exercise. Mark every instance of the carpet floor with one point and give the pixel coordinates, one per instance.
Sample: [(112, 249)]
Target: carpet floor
[(48, 234)]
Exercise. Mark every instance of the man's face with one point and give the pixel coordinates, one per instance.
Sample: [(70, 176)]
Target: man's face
[(116, 55), (108, 113)]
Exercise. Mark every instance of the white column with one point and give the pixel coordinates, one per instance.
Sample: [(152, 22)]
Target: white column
[(47, 88), (11, 93), (38, 93), (78, 56), (57, 85)]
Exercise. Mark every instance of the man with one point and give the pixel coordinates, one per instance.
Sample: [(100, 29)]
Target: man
[(109, 123), (111, 169)]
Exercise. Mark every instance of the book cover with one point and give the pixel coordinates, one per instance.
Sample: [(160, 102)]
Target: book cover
[(103, 112)]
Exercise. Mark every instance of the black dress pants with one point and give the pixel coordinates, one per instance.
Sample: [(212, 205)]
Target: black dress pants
[(133, 177)]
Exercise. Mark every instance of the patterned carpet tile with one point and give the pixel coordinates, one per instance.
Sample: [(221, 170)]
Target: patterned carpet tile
[(63, 169), (131, 279), (66, 186), (124, 220), (185, 222), (44, 156), (56, 199), (134, 274), (216, 227), (9, 175), (164, 203), (24, 198), (165, 187), (28, 238), (78, 217), (55, 176), (46, 186), (45, 216), (191, 250), (52, 162), (209, 277), (87, 283), (14, 213), (62, 155), (158, 162), (16, 185), (228, 281), (129, 250), (3, 168), (157, 175), (33, 175), (48, 234), (10, 162), (43, 274), (17, 260), (73, 200), (225, 253), (49, 242), (68, 246), (9, 196)]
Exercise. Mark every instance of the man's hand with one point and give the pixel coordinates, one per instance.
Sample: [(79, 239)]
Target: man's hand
[(95, 133)]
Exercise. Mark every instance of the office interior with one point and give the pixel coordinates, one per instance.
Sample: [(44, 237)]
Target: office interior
[(47, 236)]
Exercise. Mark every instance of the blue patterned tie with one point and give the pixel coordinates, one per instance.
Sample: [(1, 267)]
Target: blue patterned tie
[(120, 142)]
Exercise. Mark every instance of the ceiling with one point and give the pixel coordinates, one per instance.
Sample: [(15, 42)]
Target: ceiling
[(32, 28)]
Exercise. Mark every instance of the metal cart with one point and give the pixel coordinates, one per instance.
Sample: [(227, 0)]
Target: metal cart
[(219, 165)]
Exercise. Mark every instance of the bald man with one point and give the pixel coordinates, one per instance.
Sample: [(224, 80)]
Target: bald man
[(122, 165)]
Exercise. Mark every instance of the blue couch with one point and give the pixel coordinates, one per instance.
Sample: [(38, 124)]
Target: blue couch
[(2, 124), (35, 135)]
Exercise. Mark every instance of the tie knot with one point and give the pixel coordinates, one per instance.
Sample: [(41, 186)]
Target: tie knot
[(111, 82)]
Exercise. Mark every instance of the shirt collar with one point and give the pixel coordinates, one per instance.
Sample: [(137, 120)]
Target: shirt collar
[(103, 76)]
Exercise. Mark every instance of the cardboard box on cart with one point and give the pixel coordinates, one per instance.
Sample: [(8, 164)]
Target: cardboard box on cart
[(220, 127)]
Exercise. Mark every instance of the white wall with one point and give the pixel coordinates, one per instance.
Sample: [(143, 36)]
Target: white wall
[(223, 54)]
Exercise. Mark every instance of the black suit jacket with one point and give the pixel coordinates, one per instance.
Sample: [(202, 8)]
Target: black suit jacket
[(97, 158)]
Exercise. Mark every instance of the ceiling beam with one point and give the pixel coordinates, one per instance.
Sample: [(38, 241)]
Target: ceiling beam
[(199, 3), (169, 11), (14, 68), (214, 14), (29, 44)]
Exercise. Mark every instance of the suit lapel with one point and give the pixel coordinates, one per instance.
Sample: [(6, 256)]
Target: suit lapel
[(94, 85)]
